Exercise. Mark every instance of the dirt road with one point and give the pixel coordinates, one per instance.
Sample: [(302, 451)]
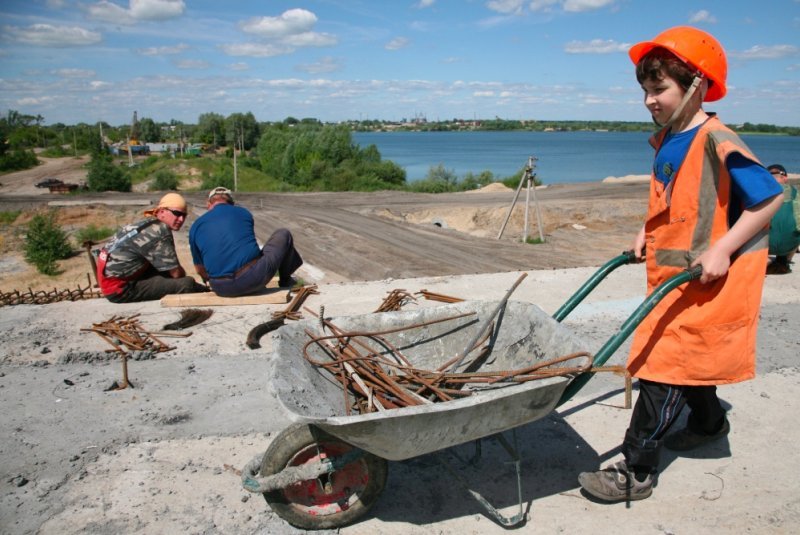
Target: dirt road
[(372, 236)]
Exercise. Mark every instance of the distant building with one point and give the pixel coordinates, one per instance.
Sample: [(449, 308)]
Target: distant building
[(163, 148)]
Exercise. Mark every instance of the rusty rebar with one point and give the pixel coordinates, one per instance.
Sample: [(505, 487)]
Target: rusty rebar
[(385, 374), (395, 301), (291, 312), (43, 297), (431, 296)]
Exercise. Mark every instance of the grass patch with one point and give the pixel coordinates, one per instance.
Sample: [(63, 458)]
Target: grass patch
[(8, 217), (533, 241)]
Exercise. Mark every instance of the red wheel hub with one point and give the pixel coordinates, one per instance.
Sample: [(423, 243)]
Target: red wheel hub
[(331, 493)]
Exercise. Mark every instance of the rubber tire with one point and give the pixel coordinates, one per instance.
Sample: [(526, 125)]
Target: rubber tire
[(294, 440)]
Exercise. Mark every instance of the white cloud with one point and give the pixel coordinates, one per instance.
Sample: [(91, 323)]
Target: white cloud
[(163, 50), (576, 6), (543, 5), (52, 36), (310, 39), (156, 9), (192, 64), (516, 7), (422, 4), (596, 46), (98, 84), (137, 10), (702, 16), (397, 43), (31, 101), (483, 94), (105, 11), (507, 7), (767, 52), (239, 66), (288, 23), (255, 50), (74, 73), (326, 64), (280, 35)]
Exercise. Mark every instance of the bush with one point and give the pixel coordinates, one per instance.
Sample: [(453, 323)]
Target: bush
[(93, 233), (45, 243), (103, 175), (223, 176), (17, 160), (163, 180), (56, 151)]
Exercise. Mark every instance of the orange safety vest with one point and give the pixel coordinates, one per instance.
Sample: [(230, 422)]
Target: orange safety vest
[(699, 334)]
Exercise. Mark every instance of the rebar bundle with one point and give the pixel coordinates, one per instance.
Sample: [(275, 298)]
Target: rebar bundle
[(395, 301), (127, 334), (382, 378)]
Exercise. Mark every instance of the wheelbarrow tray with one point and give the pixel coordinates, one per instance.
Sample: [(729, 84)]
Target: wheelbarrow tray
[(523, 334)]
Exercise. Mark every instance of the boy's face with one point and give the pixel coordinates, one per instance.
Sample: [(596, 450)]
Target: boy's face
[(662, 97)]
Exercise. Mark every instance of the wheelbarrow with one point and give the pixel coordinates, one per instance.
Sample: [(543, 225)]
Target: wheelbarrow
[(329, 467)]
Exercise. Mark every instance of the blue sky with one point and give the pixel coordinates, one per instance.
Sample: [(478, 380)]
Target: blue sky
[(334, 60)]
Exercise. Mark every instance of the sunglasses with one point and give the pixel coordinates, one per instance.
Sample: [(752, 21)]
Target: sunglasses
[(176, 213)]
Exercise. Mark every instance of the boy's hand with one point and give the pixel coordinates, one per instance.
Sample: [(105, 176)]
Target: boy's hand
[(715, 264), (638, 245)]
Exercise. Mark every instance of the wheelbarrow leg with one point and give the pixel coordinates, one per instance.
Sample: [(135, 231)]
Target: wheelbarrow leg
[(505, 521)]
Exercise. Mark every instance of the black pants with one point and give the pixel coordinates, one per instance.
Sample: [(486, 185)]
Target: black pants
[(658, 407), (153, 285)]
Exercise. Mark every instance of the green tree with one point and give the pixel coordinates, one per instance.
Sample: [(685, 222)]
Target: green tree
[(150, 131), (210, 129), (242, 128), (45, 243)]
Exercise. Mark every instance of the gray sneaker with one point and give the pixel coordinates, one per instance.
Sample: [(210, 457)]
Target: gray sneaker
[(616, 483)]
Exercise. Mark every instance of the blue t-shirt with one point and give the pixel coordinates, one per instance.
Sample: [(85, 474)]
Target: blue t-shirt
[(751, 183), (223, 240)]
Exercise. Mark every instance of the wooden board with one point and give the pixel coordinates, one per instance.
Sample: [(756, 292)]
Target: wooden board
[(269, 297)]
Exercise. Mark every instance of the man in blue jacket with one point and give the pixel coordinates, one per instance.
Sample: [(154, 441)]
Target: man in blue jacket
[(226, 254)]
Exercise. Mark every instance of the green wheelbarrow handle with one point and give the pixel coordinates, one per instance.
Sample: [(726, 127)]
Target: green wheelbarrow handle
[(627, 257), (630, 324)]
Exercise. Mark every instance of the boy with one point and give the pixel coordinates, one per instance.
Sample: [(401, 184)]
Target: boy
[(710, 204)]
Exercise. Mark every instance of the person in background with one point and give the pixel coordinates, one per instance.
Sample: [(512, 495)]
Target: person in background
[(226, 254), (140, 263), (710, 205), (784, 230)]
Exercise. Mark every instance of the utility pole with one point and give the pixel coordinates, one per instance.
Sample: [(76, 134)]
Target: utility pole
[(235, 170)]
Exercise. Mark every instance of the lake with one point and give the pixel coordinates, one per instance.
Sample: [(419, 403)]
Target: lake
[(562, 157)]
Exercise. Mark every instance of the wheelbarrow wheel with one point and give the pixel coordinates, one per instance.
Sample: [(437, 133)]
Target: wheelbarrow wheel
[(333, 500)]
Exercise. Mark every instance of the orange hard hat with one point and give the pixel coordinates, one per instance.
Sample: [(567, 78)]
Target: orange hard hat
[(694, 47)]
